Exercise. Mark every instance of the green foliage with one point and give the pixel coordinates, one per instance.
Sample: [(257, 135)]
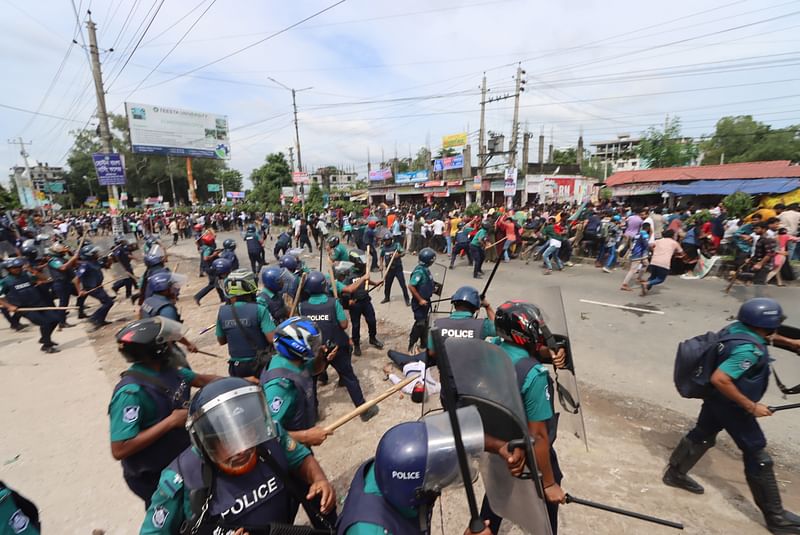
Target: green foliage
[(743, 139), (698, 218), (269, 178), (422, 159), (444, 153), (738, 204), (594, 168), (606, 194), (231, 179), (473, 209), (667, 147), (566, 156), (8, 197)]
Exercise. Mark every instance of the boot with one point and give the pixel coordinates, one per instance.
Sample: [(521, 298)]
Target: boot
[(368, 414), (374, 342), (385, 300), (767, 496), (685, 456), (82, 315), (357, 350)]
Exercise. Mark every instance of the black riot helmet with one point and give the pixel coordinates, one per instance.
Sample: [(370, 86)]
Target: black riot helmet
[(30, 251), (148, 338), (359, 260), (387, 238), (522, 324), (333, 242), (467, 296), (427, 256)]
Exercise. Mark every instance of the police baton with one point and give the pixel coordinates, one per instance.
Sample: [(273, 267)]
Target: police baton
[(204, 331), (784, 407), (210, 354), (491, 275), (367, 404), (617, 510)]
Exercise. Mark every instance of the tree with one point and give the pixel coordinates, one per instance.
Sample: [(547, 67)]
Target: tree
[(667, 147), (270, 178), (743, 139), (422, 160), (231, 179), (444, 153), (565, 157), (738, 204), (8, 197)]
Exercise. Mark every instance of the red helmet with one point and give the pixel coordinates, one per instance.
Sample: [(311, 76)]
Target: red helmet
[(198, 227), (372, 224), (521, 324), (207, 239)]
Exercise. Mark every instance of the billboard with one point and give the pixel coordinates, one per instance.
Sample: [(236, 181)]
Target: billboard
[(510, 182), (380, 174), (412, 176), (110, 168), (300, 177), (451, 162), (454, 140), (178, 132)]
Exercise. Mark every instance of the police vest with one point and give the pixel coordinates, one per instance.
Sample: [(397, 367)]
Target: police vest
[(230, 255), (240, 345), (251, 501), (425, 290), (91, 275), (752, 383), (276, 306), (459, 328), (59, 276), (523, 367), (363, 507), (324, 315), (153, 305), (122, 256), (397, 264), (462, 237), (169, 391), (253, 245), (305, 412), (21, 291), (283, 240)]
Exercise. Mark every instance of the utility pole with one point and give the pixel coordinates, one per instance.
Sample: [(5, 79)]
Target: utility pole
[(102, 116), (512, 158), (482, 134), (291, 158), (296, 137), (171, 181)]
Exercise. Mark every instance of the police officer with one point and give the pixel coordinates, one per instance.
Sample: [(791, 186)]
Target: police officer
[(166, 287), (62, 272), (147, 411), (208, 253), (19, 290), (391, 249), (527, 342), (361, 304), (739, 382), (332, 322), (477, 248), (229, 253), (272, 294), (371, 243), (395, 492), (121, 253), (282, 244), (421, 285), (462, 244), (89, 282), (18, 515), (337, 252), (292, 269), (242, 471), (154, 262), (288, 382), (244, 325), (150, 241), (255, 248)]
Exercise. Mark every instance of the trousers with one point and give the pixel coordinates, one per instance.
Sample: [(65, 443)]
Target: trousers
[(393, 274), (478, 255), (357, 310), (106, 303), (212, 285), (343, 365)]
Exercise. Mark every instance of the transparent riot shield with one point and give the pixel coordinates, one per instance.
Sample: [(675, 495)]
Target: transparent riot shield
[(484, 377), (551, 304)]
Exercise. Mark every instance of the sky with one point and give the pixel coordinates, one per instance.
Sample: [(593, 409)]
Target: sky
[(386, 78)]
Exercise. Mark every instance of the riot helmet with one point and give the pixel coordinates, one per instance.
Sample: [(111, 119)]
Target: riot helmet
[(761, 312), (30, 251), (240, 282), (415, 461), (90, 252), (148, 338), (316, 283), (427, 257), (467, 296), (151, 240), (119, 239), (333, 242), (28, 232), (15, 262), (342, 269), (222, 266), (250, 228), (522, 324), (229, 245), (460, 225), (165, 280), (298, 338), (271, 279), (359, 260), (487, 225), (155, 256), (289, 263), (58, 249), (228, 418), (207, 239)]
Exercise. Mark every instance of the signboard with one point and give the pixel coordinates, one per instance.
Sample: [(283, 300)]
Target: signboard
[(380, 174), (299, 177), (510, 182), (476, 182), (213, 188), (54, 187), (235, 194), (176, 131), (412, 176), (123, 196), (454, 140), (451, 162), (110, 168)]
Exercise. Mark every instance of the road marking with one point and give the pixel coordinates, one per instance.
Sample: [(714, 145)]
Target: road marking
[(635, 309)]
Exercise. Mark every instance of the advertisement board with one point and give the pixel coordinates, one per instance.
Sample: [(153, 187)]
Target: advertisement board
[(380, 174), (110, 168), (300, 177), (234, 194), (178, 132), (212, 188), (454, 140), (510, 182), (411, 176), (451, 162)]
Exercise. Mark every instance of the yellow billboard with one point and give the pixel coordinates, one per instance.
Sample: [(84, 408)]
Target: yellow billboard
[(454, 140)]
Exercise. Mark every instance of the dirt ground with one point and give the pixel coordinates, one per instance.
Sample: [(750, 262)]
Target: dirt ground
[(629, 442)]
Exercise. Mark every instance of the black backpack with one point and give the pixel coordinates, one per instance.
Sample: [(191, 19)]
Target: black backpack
[(698, 357)]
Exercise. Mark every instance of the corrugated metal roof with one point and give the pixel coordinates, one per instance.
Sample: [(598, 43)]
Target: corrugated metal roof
[(732, 171), (753, 186)]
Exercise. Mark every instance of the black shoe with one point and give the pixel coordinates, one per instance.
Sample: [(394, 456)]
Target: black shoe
[(49, 349), (323, 379), (65, 325), (385, 300), (20, 327), (368, 414), (340, 383), (673, 478), (374, 342), (408, 302), (82, 316), (478, 276), (357, 350), (51, 343), (99, 325)]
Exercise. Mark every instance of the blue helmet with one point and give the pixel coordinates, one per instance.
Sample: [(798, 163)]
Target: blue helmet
[(271, 279), (229, 244), (427, 256), (289, 262), (222, 266), (14, 262), (251, 228), (89, 251), (298, 338), (160, 282), (316, 283), (761, 312), (467, 295), (154, 257)]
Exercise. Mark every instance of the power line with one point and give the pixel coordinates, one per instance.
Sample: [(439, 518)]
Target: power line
[(136, 46), (50, 87), (168, 28), (39, 114)]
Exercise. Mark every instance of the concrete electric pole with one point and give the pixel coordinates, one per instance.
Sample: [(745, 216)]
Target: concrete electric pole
[(102, 116), (520, 83), (25, 186), (482, 134)]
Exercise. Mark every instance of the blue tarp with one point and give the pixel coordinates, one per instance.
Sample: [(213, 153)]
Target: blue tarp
[(725, 187)]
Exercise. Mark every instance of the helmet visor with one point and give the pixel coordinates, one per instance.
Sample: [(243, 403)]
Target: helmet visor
[(171, 330), (441, 466), (178, 280), (233, 423)]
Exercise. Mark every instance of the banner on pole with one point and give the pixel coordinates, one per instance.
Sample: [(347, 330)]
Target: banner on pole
[(451, 162), (510, 182), (300, 177), (380, 174), (110, 168), (411, 176), (454, 140)]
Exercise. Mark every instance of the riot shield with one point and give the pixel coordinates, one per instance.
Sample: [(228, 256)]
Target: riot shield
[(485, 378), (569, 403)]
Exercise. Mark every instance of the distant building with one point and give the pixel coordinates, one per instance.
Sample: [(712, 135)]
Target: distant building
[(621, 153), (336, 181), (45, 178)]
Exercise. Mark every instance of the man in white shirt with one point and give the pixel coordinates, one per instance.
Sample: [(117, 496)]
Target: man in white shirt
[(438, 235)]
